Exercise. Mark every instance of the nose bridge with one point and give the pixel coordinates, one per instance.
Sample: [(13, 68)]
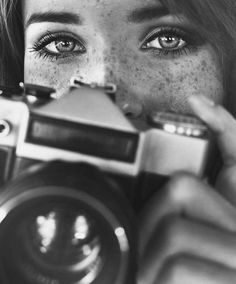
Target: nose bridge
[(117, 72), (112, 67), (107, 67), (103, 65)]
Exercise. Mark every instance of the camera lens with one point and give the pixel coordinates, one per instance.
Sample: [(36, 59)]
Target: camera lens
[(48, 240), (53, 234)]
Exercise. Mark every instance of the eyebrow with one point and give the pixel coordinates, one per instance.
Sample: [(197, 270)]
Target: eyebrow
[(54, 17), (147, 13)]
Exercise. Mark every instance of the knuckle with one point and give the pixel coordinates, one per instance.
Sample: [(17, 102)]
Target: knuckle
[(180, 188)]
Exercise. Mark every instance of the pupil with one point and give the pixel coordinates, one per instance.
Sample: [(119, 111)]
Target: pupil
[(65, 46), (169, 42)]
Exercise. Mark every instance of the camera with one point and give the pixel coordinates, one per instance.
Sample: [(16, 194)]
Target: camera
[(70, 169)]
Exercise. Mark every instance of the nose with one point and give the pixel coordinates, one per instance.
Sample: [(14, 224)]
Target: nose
[(114, 69), (109, 64)]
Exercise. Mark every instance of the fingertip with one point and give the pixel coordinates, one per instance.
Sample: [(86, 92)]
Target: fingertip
[(200, 99), (215, 116), (201, 106), (220, 122)]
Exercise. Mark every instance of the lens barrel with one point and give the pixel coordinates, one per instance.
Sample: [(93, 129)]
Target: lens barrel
[(65, 223)]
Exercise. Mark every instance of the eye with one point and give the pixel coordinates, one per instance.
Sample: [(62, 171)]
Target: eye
[(58, 45), (63, 46), (170, 39), (165, 42)]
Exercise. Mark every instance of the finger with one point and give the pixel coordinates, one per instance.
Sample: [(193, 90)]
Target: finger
[(221, 122), (224, 126), (226, 183), (184, 269), (186, 195), (177, 236)]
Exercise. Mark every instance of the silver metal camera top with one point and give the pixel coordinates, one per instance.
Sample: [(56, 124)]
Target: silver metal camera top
[(109, 88), (179, 124)]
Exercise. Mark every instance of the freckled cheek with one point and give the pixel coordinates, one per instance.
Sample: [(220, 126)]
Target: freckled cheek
[(41, 74), (168, 85), (47, 73)]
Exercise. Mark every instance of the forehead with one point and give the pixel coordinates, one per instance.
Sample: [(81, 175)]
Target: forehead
[(93, 8), (86, 4)]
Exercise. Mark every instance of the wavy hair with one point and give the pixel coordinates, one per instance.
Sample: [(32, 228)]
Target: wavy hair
[(11, 42), (216, 23), (215, 20)]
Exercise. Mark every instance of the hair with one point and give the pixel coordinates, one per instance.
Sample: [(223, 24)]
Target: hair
[(215, 20), (11, 43)]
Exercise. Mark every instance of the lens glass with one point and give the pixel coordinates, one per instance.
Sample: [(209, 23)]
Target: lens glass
[(57, 240)]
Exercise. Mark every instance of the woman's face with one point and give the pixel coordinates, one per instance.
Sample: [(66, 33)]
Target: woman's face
[(156, 60)]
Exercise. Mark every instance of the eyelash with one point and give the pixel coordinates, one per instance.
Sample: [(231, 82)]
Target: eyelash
[(39, 47), (192, 41), (190, 38)]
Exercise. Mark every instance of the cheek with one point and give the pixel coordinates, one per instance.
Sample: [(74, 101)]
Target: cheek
[(158, 83), (168, 83), (49, 74), (42, 74), (57, 74)]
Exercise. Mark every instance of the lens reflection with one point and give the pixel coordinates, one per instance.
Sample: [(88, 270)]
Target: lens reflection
[(81, 228), (46, 230), (66, 240), (65, 228), (62, 241), (59, 242)]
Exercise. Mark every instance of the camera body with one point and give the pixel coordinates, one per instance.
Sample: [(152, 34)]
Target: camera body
[(67, 166), (85, 125)]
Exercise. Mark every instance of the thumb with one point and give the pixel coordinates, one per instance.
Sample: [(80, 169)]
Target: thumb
[(223, 125)]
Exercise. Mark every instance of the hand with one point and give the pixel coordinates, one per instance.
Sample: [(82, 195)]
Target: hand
[(188, 229)]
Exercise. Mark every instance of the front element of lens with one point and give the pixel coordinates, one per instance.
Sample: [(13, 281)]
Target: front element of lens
[(54, 241), (61, 235)]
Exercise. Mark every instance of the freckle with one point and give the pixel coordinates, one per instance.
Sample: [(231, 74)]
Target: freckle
[(111, 73), (135, 58), (204, 63), (161, 87)]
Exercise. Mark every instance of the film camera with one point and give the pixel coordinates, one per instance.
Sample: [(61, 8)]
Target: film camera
[(70, 168)]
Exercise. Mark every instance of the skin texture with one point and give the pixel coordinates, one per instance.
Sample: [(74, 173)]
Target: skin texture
[(145, 78), (187, 231)]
